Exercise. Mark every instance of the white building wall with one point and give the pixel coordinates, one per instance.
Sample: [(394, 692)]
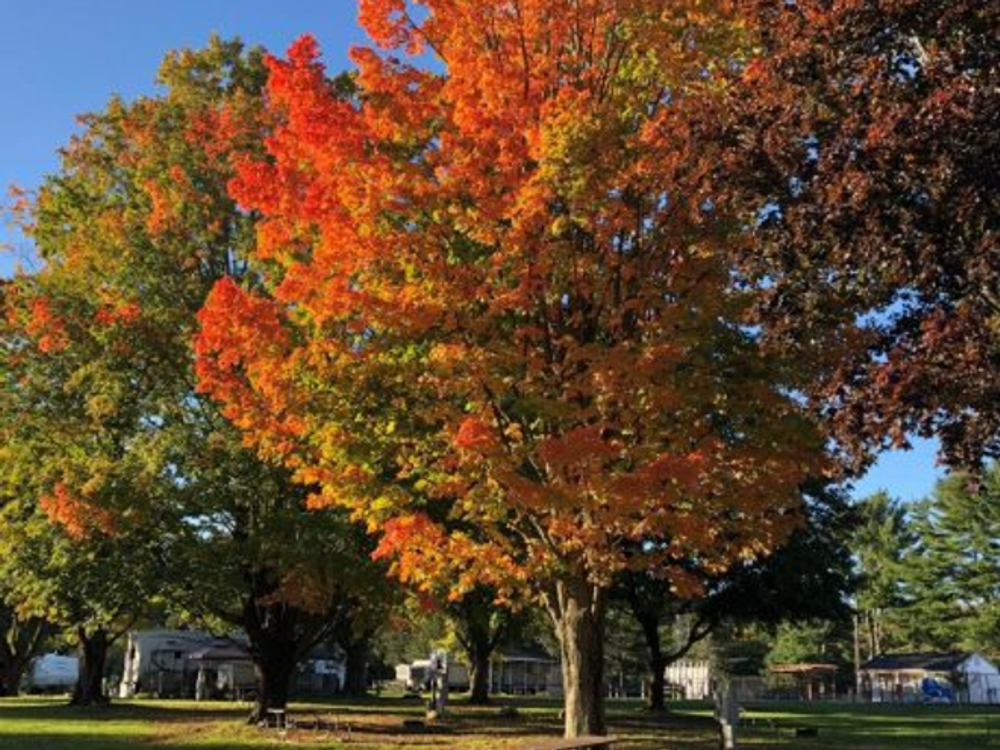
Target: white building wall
[(692, 677), (982, 680)]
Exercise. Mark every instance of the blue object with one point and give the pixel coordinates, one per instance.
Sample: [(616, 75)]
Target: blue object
[(935, 692)]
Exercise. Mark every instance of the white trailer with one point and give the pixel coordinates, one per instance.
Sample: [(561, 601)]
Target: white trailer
[(416, 675), (159, 661), (52, 673)]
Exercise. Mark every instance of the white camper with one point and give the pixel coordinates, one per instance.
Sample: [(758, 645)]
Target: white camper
[(160, 662), (52, 673), (416, 676)]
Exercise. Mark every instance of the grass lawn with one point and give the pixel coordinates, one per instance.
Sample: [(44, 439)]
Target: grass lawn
[(47, 724)]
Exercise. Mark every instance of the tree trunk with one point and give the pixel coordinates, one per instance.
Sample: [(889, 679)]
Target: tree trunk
[(649, 622), (356, 667), (275, 662), (482, 625), (656, 700), (93, 649), (577, 608), (19, 643), (479, 676), (9, 679), (873, 646)]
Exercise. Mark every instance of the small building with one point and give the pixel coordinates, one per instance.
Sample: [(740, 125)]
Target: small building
[(322, 673), (931, 677), (689, 679), (222, 671), (525, 670)]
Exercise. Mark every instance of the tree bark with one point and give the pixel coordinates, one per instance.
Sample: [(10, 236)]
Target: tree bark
[(649, 622), (20, 642), (479, 676), (93, 649), (656, 700), (275, 660), (271, 630), (577, 608), (356, 666), (482, 626)]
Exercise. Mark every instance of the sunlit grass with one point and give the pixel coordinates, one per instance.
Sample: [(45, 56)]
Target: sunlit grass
[(378, 724)]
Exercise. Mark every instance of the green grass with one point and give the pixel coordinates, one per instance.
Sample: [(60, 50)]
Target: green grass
[(871, 726), (377, 724)]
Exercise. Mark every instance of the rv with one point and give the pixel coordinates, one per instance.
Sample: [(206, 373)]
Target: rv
[(167, 663), (52, 673), (416, 676)]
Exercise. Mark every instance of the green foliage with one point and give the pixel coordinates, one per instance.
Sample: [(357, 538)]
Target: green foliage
[(123, 486), (813, 641), (952, 572), (880, 543)]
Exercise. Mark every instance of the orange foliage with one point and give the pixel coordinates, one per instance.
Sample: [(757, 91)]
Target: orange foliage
[(242, 351), (47, 327), (79, 518), (516, 261)]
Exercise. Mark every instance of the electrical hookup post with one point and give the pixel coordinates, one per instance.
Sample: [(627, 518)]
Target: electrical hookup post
[(727, 711), (439, 683)]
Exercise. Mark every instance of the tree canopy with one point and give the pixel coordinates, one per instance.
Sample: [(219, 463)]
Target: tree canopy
[(507, 272)]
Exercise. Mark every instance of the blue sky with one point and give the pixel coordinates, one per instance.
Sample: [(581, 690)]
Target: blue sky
[(64, 57)]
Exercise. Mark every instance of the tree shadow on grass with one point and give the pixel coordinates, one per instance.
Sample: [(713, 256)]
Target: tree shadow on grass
[(82, 741), (57, 711)]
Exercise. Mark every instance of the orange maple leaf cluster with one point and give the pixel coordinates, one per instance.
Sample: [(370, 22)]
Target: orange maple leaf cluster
[(79, 518)]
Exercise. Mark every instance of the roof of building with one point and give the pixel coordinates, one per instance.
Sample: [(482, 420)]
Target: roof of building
[(525, 652), (924, 662)]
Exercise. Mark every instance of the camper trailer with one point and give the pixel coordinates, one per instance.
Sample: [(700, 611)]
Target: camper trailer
[(416, 676), (52, 673), (191, 664), (172, 664)]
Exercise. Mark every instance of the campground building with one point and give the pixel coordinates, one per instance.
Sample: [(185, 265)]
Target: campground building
[(951, 677)]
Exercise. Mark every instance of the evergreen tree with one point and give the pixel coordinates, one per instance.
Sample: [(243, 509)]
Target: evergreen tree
[(952, 573), (880, 543)]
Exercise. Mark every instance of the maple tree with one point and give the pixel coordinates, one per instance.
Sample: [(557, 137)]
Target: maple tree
[(863, 140), (110, 450), (496, 319), (58, 559)]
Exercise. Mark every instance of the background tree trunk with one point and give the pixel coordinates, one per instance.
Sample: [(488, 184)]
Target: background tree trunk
[(19, 643), (479, 676), (93, 649), (578, 608), (482, 626), (656, 700), (357, 652), (649, 622)]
